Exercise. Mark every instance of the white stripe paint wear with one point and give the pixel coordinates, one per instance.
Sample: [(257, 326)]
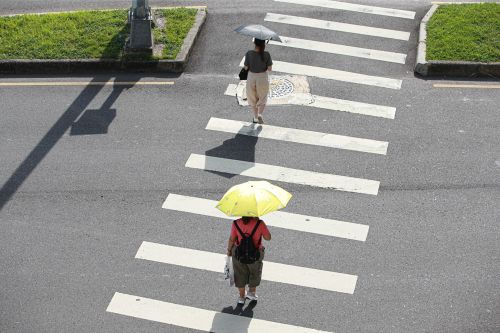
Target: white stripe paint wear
[(195, 318), (282, 174), (275, 272), (298, 136), (354, 7), (359, 52), (280, 219), (334, 74), (336, 104), (366, 109), (337, 26)]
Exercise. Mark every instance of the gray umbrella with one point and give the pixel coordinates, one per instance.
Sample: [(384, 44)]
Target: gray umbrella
[(258, 31)]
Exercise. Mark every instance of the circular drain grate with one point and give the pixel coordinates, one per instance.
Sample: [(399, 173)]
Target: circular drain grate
[(280, 88)]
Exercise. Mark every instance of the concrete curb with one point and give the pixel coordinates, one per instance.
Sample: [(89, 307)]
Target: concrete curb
[(448, 68), (71, 66)]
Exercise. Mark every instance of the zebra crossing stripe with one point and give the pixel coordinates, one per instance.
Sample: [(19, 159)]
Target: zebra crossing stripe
[(275, 272), (337, 26), (195, 318), (354, 7), (282, 174), (358, 52), (285, 220), (353, 107), (333, 74), (298, 136), (336, 104)]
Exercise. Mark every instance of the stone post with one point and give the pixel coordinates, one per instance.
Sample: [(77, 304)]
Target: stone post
[(141, 34)]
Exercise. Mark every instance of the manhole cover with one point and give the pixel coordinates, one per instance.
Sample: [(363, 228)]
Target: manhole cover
[(280, 87)]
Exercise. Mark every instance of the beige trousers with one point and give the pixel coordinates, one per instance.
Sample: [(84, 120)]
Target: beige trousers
[(257, 91)]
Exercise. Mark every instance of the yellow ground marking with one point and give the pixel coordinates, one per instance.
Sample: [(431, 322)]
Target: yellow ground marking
[(453, 2), (84, 83), (194, 7), (102, 10), (472, 86)]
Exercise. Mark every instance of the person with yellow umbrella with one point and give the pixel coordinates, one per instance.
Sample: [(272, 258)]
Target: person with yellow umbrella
[(250, 200)]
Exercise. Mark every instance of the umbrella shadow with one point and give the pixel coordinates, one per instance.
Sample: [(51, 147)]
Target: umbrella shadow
[(233, 319), (240, 148)]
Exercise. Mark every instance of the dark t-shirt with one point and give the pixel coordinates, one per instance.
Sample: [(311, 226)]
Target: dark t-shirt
[(255, 63)]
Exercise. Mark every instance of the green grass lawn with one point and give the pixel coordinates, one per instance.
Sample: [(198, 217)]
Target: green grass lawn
[(85, 34), (179, 22), (466, 32)]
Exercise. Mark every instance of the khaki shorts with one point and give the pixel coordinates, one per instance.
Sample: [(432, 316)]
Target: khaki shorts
[(247, 274)]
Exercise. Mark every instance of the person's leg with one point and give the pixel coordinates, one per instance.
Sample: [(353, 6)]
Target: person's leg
[(240, 277), (251, 89), (262, 87), (255, 277)]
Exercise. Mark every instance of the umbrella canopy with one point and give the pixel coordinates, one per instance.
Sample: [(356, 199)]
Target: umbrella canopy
[(254, 198), (258, 31)]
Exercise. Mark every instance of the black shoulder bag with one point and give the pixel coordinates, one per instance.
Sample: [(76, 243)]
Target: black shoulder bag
[(243, 74)]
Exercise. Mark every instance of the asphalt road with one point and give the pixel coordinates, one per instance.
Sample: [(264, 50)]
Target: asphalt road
[(75, 207)]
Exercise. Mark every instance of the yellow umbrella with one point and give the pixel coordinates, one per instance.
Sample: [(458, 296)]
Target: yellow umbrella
[(254, 198)]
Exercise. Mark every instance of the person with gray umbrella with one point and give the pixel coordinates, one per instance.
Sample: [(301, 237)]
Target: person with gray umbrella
[(258, 63)]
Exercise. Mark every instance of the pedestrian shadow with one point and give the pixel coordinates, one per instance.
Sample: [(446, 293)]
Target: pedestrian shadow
[(233, 319), (240, 148)]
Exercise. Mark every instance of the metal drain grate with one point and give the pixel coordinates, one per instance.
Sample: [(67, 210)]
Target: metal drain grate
[(280, 87)]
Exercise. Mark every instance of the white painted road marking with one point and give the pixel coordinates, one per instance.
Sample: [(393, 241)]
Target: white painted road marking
[(275, 272), (280, 219), (336, 104), (282, 174), (298, 136), (354, 7), (333, 74), (195, 318), (231, 90), (399, 58), (353, 107), (337, 26)]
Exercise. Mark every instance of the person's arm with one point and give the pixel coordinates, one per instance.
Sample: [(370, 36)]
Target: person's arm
[(230, 244), (233, 236), (246, 63), (265, 232), (270, 64)]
